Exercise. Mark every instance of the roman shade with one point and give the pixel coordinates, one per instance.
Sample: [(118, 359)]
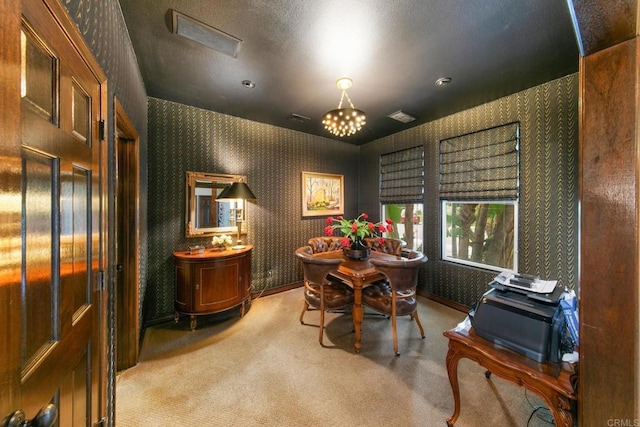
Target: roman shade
[(402, 176), (481, 165)]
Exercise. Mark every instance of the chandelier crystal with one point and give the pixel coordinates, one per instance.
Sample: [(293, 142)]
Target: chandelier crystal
[(344, 121)]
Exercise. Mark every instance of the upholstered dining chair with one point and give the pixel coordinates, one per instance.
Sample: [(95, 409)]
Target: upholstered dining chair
[(397, 295), (325, 243), (319, 292), (387, 245)]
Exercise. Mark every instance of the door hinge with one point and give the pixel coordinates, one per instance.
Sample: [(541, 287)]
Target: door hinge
[(101, 423), (101, 129), (101, 280)]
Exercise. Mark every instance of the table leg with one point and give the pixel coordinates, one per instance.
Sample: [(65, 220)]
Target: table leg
[(453, 357), (358, 313)]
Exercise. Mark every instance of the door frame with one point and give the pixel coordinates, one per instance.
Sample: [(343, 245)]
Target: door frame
[(127, 333)]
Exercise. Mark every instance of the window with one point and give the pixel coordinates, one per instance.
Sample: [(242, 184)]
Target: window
[(479, 188), (480, 233), (408, 222), (402, 192)]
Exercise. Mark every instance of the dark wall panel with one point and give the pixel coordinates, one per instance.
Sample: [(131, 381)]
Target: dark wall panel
[(184, 138), (548, 215)]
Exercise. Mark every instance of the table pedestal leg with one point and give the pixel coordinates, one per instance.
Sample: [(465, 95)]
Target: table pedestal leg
[(358, 313)]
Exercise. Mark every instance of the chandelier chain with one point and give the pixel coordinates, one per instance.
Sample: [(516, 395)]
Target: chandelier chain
[(344, 93), (344, 121)]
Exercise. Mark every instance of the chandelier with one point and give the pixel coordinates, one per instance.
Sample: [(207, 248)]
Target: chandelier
[(344, 121)]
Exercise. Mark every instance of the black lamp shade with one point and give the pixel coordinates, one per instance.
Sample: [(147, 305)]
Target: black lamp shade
[(235, 191)]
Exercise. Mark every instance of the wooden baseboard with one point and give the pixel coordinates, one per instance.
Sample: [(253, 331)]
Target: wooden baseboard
[(267, 292), (444, 301), (428, 295)]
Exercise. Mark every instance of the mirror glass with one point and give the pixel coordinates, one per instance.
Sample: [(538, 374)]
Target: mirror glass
[(205, 216)]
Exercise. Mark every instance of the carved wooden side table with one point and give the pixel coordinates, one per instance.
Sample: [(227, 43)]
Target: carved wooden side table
[(555, 383)]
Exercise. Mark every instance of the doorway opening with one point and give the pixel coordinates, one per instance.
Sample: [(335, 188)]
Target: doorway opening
[(127, 231)]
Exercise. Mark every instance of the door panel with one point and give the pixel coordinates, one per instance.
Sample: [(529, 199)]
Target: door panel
[(61, 318), (39, 174)]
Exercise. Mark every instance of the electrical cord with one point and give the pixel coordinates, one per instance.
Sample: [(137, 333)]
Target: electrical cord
[(259, 295), (536, 409), (548, 418)]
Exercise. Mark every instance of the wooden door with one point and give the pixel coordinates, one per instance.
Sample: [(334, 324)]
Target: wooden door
[(57, 334)]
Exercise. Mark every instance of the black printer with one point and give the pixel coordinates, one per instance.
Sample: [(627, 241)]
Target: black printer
[(530, 324)]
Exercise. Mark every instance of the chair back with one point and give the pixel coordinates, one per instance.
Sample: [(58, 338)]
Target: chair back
[(316, 269), (324, 244), (386, 244), (401, 273)]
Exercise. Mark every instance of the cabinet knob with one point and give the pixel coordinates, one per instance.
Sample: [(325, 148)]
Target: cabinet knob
[(197, 285)]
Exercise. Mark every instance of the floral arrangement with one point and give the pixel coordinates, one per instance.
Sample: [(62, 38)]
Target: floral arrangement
[(221, 242), (356, 229)]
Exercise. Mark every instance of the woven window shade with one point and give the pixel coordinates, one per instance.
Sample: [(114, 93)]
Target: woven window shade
[(481, 165), (402, 176)]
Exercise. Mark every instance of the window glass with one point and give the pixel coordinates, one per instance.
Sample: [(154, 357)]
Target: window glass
[(408, 220), (480, 233)]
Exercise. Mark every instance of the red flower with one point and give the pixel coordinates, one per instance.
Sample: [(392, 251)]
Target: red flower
[(356, 228), (388, 221), (381, 240)]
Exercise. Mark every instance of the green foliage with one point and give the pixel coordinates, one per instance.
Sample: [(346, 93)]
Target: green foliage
[(484, 239), (318, 205)]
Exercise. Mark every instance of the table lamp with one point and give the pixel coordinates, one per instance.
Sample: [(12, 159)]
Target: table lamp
[(237, 192)]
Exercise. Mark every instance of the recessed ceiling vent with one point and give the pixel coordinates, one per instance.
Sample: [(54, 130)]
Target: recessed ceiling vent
[(401, 116), (299, 118), (210, 37)]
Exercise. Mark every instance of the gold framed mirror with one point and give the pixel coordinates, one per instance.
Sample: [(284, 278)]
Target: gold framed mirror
[(206, 216)]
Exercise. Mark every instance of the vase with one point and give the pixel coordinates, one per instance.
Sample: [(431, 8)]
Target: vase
[(357, 251)]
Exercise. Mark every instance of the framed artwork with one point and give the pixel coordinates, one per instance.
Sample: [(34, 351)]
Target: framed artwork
[(322, 194)]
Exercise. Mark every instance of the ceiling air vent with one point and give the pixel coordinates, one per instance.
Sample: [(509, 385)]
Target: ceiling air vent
[(210, 37), (401, 116), (299, 118)]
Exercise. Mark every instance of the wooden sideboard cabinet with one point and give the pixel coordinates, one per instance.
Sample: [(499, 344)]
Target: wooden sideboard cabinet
[(212, 282)]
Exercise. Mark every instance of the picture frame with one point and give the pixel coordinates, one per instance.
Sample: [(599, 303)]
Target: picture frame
[(322, 194)]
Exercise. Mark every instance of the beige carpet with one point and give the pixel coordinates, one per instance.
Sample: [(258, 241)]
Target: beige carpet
[(267, 369)]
